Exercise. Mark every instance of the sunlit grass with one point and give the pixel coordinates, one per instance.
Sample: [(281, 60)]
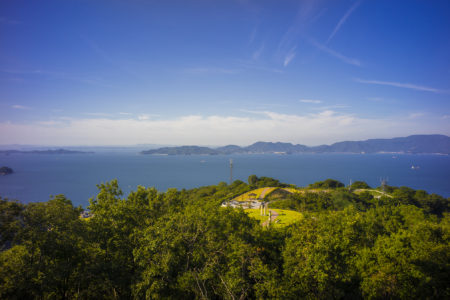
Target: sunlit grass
[(373, 192), (257, 194), (292, 190), (285, 217), (256, 214)]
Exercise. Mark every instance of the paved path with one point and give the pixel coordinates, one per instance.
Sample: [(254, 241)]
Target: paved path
[(264, 192), (272, 218)]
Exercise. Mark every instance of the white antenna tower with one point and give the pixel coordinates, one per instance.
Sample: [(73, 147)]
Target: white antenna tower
[(384, 182)]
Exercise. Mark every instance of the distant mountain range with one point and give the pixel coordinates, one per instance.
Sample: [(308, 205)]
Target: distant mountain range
[(414, 144), (57, 151)]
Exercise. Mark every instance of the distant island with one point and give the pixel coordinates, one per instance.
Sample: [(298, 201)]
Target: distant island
[(6, 171), (414, 144), (57, 151), (182, 150)]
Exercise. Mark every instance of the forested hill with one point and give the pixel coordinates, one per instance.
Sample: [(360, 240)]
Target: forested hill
[(353, 242), (414, 144), (183, 150), (411, 144)]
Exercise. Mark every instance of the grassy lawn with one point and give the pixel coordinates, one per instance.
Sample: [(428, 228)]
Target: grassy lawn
[(285, 217), (257, 192), (374, 192), (292, 190), (255, 214), (268, 190)]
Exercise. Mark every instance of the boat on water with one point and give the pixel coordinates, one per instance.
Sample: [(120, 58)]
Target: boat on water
[(415, 167)]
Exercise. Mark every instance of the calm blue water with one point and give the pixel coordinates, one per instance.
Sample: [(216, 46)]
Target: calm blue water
[(37, 177)]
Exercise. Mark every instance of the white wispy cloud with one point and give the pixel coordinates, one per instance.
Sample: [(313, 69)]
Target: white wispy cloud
[(335, 106), (258, 52), (307, 12), (375, 99), (289, 57), (253, 35), (343, 19), (326, 126), (404, 85), (145, 117), (125, 113), (49, 123), (341, 57), (416, 115), (247, 65), (310, 101), (17, 106), (97, 114)]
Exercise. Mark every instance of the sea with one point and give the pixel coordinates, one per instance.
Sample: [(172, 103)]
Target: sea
[(38, 176)]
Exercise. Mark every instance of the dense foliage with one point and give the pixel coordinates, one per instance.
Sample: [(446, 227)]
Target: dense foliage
[(359, 185), (327, 184), (182, 244)]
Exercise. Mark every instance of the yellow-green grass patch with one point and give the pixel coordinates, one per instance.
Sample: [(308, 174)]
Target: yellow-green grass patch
[(285, 217), (256, 214), (255, 194), (373, 192), (292, 190)]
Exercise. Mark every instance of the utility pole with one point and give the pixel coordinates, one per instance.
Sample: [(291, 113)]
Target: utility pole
[(231, 171)]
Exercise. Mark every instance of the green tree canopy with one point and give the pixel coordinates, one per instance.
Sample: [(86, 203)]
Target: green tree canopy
[(327, 184)]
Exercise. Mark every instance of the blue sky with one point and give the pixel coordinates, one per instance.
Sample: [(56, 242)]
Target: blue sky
[(222, 72)]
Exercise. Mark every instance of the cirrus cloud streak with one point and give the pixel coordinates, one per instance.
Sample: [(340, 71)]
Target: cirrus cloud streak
[(404, 85)]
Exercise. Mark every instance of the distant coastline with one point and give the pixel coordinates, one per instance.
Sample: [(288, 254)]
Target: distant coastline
[(57, 151), (414, 144)]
